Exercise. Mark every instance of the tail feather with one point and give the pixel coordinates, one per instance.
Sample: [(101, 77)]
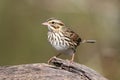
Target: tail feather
[(89, 41)]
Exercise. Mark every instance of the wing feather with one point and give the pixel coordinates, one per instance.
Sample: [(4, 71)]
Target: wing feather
[(74, 38)]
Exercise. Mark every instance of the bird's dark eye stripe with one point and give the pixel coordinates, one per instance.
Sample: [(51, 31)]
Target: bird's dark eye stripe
[(61, 24)]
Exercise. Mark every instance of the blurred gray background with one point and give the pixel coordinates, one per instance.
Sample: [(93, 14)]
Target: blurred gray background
[(23, 40)]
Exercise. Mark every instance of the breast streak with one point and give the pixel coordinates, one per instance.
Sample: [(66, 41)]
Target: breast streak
[(58, 42)]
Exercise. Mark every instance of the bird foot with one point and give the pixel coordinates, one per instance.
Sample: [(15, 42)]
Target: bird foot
[(51, 59), (69, 62)]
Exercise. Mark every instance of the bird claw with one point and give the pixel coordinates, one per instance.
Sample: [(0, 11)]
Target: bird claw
[(51, 59), (69, 62)]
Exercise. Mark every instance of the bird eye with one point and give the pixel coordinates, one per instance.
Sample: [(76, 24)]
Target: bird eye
[(52, 22)]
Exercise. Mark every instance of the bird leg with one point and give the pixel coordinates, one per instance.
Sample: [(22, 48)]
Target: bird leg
[(72, 59), (58, 54), (53, 57)]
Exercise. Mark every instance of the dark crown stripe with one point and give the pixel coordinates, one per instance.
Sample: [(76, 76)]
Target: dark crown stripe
[(51, 19)]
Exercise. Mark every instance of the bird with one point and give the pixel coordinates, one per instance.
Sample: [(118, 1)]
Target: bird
[(63, 38)]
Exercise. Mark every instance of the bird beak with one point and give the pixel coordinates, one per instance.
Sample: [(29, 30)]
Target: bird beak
[(45, 23)]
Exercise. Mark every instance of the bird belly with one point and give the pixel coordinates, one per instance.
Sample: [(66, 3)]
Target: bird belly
[(63, 49), (58, 46)]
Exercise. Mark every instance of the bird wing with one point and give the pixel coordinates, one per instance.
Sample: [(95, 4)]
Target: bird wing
[(74, 38)]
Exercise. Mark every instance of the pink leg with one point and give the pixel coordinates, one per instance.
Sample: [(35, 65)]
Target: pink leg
[(72, 59), (53, 57)]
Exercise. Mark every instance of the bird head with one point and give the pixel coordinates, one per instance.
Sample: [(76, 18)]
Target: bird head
[(54, 24)]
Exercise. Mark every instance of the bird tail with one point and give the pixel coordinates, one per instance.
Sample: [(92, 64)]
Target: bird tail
[(89, 41)]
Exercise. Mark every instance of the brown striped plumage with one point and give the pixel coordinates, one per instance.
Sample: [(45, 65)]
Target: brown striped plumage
[(62, 38)]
